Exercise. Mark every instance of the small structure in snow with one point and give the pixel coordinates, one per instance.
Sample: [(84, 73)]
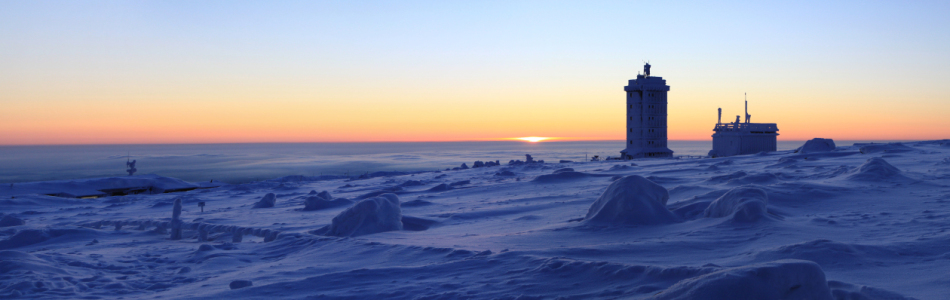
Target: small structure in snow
[(743, 138), (131, 167)]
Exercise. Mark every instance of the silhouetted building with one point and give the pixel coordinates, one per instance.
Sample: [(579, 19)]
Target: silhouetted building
[(646, 117), (743, 138)]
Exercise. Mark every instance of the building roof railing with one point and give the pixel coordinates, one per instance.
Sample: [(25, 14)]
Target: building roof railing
[(746, 127)]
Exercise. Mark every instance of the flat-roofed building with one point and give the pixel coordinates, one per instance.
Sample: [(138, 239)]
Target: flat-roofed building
[(743, 138)]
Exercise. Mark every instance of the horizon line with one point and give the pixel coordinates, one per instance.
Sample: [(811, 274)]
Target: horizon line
[(512, 140)]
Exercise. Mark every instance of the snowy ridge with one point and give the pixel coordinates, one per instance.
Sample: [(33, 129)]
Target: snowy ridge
[(839, 224)]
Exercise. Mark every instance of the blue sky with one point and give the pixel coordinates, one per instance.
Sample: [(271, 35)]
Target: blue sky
[(806, 65)]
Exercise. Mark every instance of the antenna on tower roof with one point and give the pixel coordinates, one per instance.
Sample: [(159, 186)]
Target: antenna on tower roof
[(748, 117)]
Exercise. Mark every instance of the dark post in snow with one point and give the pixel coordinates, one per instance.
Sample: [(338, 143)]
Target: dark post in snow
[(202, 206), (176, 220), (131, 166)]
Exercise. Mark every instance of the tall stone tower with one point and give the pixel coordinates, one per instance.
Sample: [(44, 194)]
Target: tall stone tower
[(646, 117)]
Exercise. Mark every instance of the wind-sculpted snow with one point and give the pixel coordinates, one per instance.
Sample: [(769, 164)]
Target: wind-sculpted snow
[(876, 229), (317, 203), (560, 176), (777, 280), (11, 220), (884, 148), (631, 200), (267, 201), (368, 216), (741, 204), (26, 237), (875, 169)]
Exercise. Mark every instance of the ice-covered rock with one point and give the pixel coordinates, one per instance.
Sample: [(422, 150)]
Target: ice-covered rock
[(372, 215), (874, 169), (325, 195), (743, 204), (777, 280), (11, 220), (267, 201), (463, 167), (478, 164), (631, 200), (816, 145)]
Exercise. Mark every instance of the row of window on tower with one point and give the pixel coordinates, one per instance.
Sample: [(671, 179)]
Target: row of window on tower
[(630, 94), (651, 109), (652, 143)]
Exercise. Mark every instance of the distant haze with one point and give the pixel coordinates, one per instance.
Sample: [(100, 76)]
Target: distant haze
[(126, 72)]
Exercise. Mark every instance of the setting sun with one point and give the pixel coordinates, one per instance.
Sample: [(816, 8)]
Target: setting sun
[(533, 139)]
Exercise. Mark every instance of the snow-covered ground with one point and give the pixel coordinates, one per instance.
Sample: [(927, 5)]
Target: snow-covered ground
[(855, 222)]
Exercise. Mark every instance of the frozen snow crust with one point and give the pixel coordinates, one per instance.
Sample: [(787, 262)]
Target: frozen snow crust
[(841, 224)]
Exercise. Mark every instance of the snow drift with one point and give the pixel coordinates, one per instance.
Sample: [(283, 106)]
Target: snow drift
[(631, 200), (816, 145), (776, 280), (886, 148), (743, 204), (560, 176), (875, 169), (368, 216), (10, 220), (323, 200), (267, 201)]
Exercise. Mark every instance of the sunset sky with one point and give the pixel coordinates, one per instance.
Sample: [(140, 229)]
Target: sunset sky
[(104, 72)]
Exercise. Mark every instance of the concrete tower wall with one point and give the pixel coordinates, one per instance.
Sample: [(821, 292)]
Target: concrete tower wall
[(646, 118)]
